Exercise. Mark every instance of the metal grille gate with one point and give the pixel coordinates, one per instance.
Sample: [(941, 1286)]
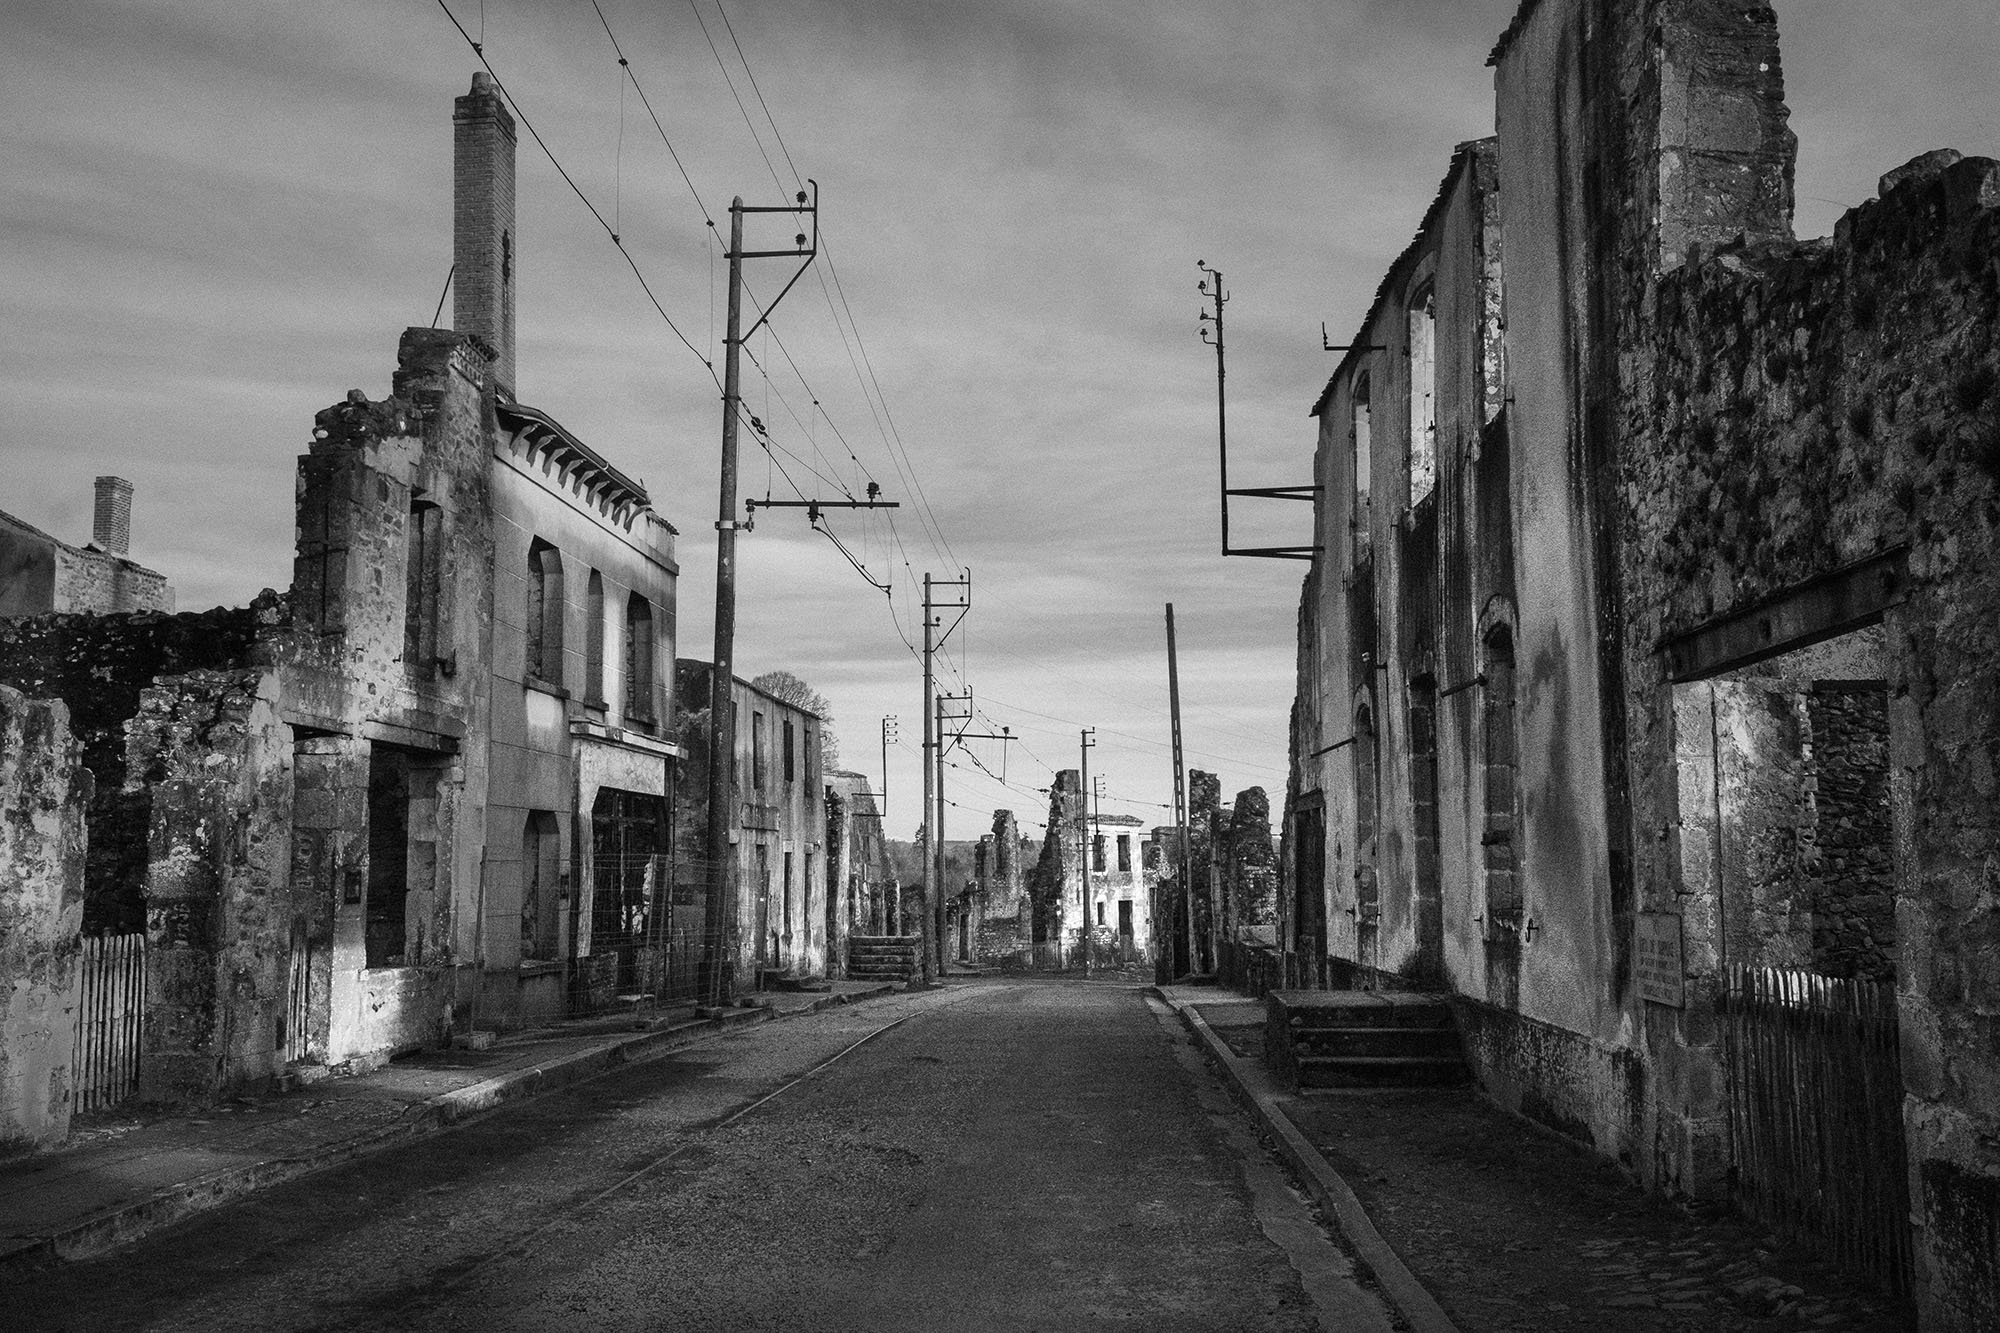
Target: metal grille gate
[(650, 937), (1816, 1115), (111, 1008)]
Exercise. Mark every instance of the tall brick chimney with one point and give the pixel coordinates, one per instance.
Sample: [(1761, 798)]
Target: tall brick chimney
[(483, 249), (111, 528)]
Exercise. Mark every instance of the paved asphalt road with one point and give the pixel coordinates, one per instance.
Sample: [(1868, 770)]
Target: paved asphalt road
[(1034, 1154)]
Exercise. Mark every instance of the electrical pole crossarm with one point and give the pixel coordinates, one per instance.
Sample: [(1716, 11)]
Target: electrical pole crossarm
[(804, 251), (753, 505)]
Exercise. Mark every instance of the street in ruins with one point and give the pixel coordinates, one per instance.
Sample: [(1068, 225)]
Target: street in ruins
[(998, 1154)]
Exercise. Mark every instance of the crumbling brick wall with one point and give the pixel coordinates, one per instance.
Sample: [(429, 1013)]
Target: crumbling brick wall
[(43, 788), (98, 665)]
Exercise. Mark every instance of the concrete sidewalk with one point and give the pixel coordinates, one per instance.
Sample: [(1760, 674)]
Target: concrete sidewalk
[(123, 1174), (1471, 1218)]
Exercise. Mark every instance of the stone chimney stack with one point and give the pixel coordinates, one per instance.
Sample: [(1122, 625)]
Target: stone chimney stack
[(483, 249), (111, 530)]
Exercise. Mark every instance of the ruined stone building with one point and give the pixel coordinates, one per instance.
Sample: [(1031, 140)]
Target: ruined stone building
[(1118, 907), (996, 917), (783, 918), (425, 789), (861, 883), (40, 574), (1653, 642)]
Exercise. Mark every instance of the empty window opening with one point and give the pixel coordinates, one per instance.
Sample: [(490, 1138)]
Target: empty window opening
[(1429, 905), (1785, 821), (759, 761), (1100, 914), (593, 641), (421, 543), (1367, 812), (1097, 852), (639, 687), (545, 613), (541, 880), (1362, 428), (1125, 853), (1499, 836), (1423, 395), (402, 851), (791, 738), (786, 926)]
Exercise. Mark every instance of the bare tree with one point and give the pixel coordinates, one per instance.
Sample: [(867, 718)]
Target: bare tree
[(788, 688)]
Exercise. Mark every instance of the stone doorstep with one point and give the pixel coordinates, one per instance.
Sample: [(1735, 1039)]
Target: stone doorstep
[(108, 1229)]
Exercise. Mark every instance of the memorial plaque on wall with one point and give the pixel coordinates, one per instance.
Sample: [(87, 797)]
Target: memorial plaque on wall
[(1657, 968)]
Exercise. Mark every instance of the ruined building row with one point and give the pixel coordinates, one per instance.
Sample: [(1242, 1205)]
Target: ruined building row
[(1648, 666), (448, 781)]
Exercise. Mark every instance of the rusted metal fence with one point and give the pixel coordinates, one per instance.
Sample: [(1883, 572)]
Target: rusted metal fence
[(111, 1008), (1816, 1116)]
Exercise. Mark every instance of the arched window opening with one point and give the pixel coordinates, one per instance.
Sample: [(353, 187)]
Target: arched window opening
[(639, 686), (1499, 838), (1423, 395), (421, 543), (541, 886), (1363, 478), (545, 613), (1367, 816), (593, 642)]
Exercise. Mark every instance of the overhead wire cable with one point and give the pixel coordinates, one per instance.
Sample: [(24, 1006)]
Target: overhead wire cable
[(478, 49)]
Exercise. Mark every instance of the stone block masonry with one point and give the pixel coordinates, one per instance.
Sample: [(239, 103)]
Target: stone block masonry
[(43, 788)]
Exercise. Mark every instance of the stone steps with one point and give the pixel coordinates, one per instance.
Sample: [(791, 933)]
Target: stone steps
[(1363, 1039), (884, 957)]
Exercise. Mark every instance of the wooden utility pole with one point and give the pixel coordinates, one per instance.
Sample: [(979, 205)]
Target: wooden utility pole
[(721, 913), (931, 856), (1083, 939), (933, 929), (1184, 898), (944, 744)]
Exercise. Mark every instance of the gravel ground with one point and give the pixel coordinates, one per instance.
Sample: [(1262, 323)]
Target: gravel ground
[(1017, 1155)]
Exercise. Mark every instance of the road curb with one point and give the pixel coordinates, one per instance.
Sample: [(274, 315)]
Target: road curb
[(108, 1230), (1254, 1089)]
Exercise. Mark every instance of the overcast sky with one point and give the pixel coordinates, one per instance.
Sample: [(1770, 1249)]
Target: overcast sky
[(219, 215)]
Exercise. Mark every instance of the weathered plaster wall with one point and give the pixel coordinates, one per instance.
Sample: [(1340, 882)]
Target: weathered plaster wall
[(780, 815), (534, 760), (220, 904), (1052, 895), (43, 790), (1252, 866), (1006, 914)]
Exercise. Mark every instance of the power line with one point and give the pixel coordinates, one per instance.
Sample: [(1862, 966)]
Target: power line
[(609, 230)]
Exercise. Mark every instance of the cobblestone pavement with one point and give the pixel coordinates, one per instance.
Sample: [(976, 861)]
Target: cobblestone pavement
[(1512, 1229), (1019, 1154)]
